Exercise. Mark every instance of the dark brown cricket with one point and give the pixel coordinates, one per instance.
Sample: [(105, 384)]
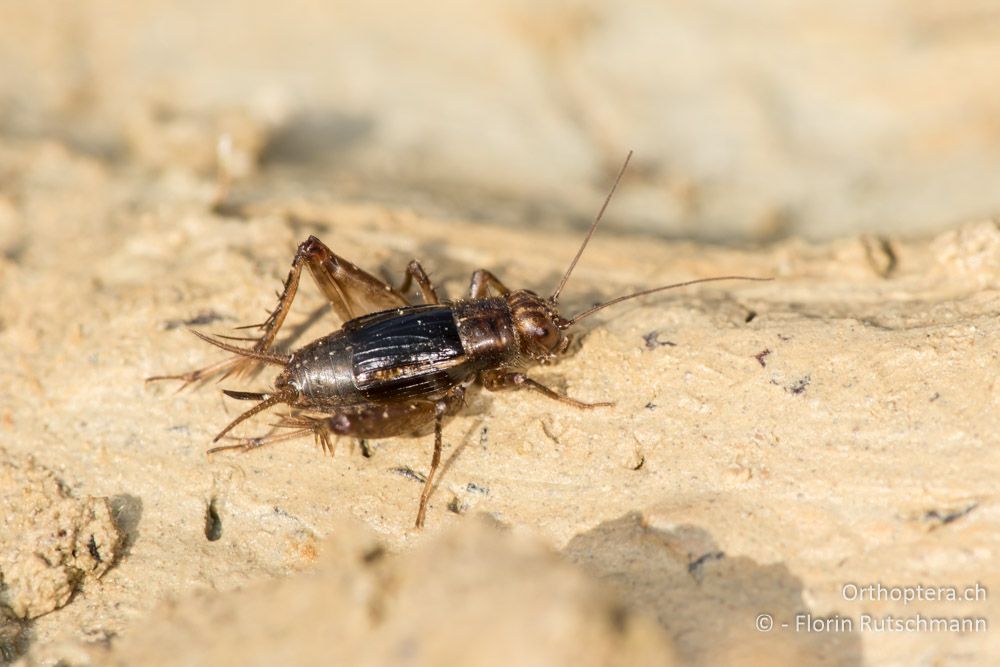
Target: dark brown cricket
[(396, 368)]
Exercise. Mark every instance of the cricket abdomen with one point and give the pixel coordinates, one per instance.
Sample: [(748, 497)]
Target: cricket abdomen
[(320, 372), (405, 354)]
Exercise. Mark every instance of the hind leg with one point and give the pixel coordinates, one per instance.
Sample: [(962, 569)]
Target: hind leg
[(248, 444), (369, 421), (351, 292), (269, 329)]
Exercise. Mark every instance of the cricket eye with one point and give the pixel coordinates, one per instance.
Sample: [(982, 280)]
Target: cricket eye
[(545, 331)]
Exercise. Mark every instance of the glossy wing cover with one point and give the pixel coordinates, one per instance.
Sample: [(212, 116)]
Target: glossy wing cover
[(407, 353)]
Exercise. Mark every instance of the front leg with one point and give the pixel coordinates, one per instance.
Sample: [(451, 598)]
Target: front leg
[(501, 380)]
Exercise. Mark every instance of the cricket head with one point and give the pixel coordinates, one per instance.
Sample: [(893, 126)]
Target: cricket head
[(540, 329)]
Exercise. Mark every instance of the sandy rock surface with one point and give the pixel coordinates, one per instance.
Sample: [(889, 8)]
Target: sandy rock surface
[(771, 443), (49, 540), (794, 473)]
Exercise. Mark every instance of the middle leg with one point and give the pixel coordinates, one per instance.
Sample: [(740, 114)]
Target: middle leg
[(439, 410), (414, 271), (481, 281)]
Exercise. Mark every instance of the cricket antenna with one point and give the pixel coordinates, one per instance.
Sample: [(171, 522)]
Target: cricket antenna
[(562, 283), (602, 306)]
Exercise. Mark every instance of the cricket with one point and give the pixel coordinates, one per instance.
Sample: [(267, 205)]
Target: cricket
[(396, 368)]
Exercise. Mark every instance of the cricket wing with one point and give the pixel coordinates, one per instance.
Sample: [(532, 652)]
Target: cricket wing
[(415, 353)]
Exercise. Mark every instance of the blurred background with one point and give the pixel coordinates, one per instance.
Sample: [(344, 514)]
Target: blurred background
[(750, 121)]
